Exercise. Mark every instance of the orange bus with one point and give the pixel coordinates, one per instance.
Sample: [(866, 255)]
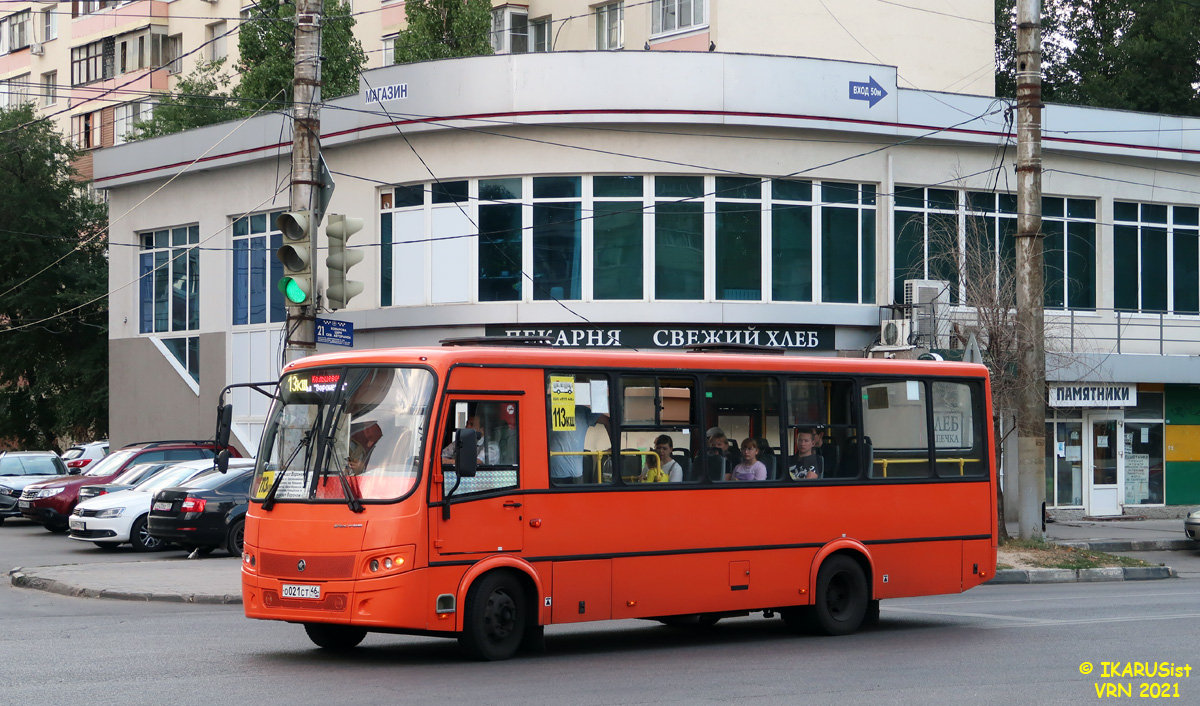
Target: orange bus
[(483, 492)]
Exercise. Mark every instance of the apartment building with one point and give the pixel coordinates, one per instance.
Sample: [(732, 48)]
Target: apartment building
[(95, 66)]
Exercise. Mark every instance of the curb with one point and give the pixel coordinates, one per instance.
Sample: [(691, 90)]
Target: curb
[(1130, 545), (20, 579), (1129, 573)]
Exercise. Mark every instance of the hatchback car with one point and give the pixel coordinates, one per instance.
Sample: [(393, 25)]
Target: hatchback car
[(1191, 524), (82, 455), (113, 519), (206, 512), (20, 469), (50, 503)]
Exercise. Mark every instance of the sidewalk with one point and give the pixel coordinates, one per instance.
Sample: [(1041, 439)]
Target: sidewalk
[(213, 580), (1119, 535), (217, 580)]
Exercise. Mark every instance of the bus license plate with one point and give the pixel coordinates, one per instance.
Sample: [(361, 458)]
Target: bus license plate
[(291, 590)]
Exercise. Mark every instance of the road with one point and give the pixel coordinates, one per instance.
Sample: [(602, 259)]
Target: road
[(992, 645)]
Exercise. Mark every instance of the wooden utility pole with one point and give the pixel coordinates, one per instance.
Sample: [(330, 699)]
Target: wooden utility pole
[(306, 156), (1030, 338)]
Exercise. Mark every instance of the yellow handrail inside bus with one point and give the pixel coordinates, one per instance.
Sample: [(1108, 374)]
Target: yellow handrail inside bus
[(962, 462)]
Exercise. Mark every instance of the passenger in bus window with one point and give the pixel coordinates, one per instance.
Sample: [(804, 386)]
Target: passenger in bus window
[(668, 470), (488, 452), (566, 461), (750, 468), (809, 463), (718, 448)]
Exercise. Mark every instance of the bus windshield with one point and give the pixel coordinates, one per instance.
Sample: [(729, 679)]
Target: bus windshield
[(344, 434)]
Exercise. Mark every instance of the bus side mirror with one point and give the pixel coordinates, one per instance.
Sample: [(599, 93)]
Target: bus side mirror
[(222, 461), (465, 452), (224, 424)]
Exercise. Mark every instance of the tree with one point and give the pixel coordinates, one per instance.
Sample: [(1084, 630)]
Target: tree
[(974, 251), (199, 99), (266, 43), (267, 48), (1128, 54), (441, 29), (53, 309)]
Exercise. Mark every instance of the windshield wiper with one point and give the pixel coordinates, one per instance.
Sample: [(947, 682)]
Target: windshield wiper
[(305, 443), (325, 430)]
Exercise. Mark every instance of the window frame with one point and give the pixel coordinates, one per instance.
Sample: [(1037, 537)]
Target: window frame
[(1173, 231), (148, 256), (607, 26), (659, 10)]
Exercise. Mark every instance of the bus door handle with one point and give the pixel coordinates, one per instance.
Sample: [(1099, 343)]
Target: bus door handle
[(511, 503)]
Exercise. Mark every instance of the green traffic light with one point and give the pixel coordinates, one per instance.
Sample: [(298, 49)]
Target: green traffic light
[(293, 290)]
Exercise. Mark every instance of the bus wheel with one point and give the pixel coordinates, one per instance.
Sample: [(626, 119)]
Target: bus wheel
[(841, 598), (334, 637), (495, 620)]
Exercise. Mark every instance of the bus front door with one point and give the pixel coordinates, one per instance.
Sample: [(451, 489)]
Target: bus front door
[(483, 514)]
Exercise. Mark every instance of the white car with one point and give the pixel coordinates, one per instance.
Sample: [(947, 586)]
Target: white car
[(115, 518)]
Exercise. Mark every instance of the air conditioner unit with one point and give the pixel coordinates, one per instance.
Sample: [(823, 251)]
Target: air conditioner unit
[(925, 291), (894, 332), (37, 49)]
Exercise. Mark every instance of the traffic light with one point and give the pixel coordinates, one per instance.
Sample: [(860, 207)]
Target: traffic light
[(341, 259), (296, 256)]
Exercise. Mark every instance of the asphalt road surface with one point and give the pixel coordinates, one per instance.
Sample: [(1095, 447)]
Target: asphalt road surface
[(1020, 644)]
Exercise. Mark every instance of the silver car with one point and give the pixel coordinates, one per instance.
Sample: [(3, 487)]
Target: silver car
[(21, 468), (1191, 524)]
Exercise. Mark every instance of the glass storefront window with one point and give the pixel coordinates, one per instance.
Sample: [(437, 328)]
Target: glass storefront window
[(617, 250), (1143, 463), (1064, 463), (624, 237)]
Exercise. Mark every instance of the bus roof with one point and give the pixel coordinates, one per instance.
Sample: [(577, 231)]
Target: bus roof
[(443, 358)]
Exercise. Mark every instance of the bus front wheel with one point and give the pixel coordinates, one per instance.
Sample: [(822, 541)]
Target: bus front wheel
[(334, 637), (496, 617), (841, 598)]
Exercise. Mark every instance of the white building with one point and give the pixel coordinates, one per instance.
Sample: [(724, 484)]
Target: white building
[(656, 199)]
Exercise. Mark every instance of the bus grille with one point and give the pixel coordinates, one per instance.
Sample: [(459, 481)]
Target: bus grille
[(316, 568)]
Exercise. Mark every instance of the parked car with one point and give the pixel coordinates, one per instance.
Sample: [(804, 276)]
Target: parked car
[(20, 469), (206, 512), (113, 519), (1191, 524), (50, 503), (83, 455), (131, 476)]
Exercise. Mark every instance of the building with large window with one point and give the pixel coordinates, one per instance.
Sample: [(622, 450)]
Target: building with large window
[(96, 67), (658, 200)]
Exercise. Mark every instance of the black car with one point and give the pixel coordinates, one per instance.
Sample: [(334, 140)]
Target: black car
[(207, 512)]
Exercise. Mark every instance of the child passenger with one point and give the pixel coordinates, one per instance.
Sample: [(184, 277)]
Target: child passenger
[(668, 470), (750, 468)]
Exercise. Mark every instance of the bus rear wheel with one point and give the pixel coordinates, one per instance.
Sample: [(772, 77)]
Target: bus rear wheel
[(496, 617), (337, 638), (841, 598)]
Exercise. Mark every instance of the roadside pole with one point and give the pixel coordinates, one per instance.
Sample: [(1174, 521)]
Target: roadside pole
[(1030, 334), (306, 155)]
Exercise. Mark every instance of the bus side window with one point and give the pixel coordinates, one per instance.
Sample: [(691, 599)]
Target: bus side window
[(738, 408), (822, 429), (895, 422), (658, 432), (497, 445), (578, 437), (958, 437)]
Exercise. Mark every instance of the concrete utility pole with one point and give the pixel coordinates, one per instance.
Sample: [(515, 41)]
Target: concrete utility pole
[(306, 156), (1031, 416)]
